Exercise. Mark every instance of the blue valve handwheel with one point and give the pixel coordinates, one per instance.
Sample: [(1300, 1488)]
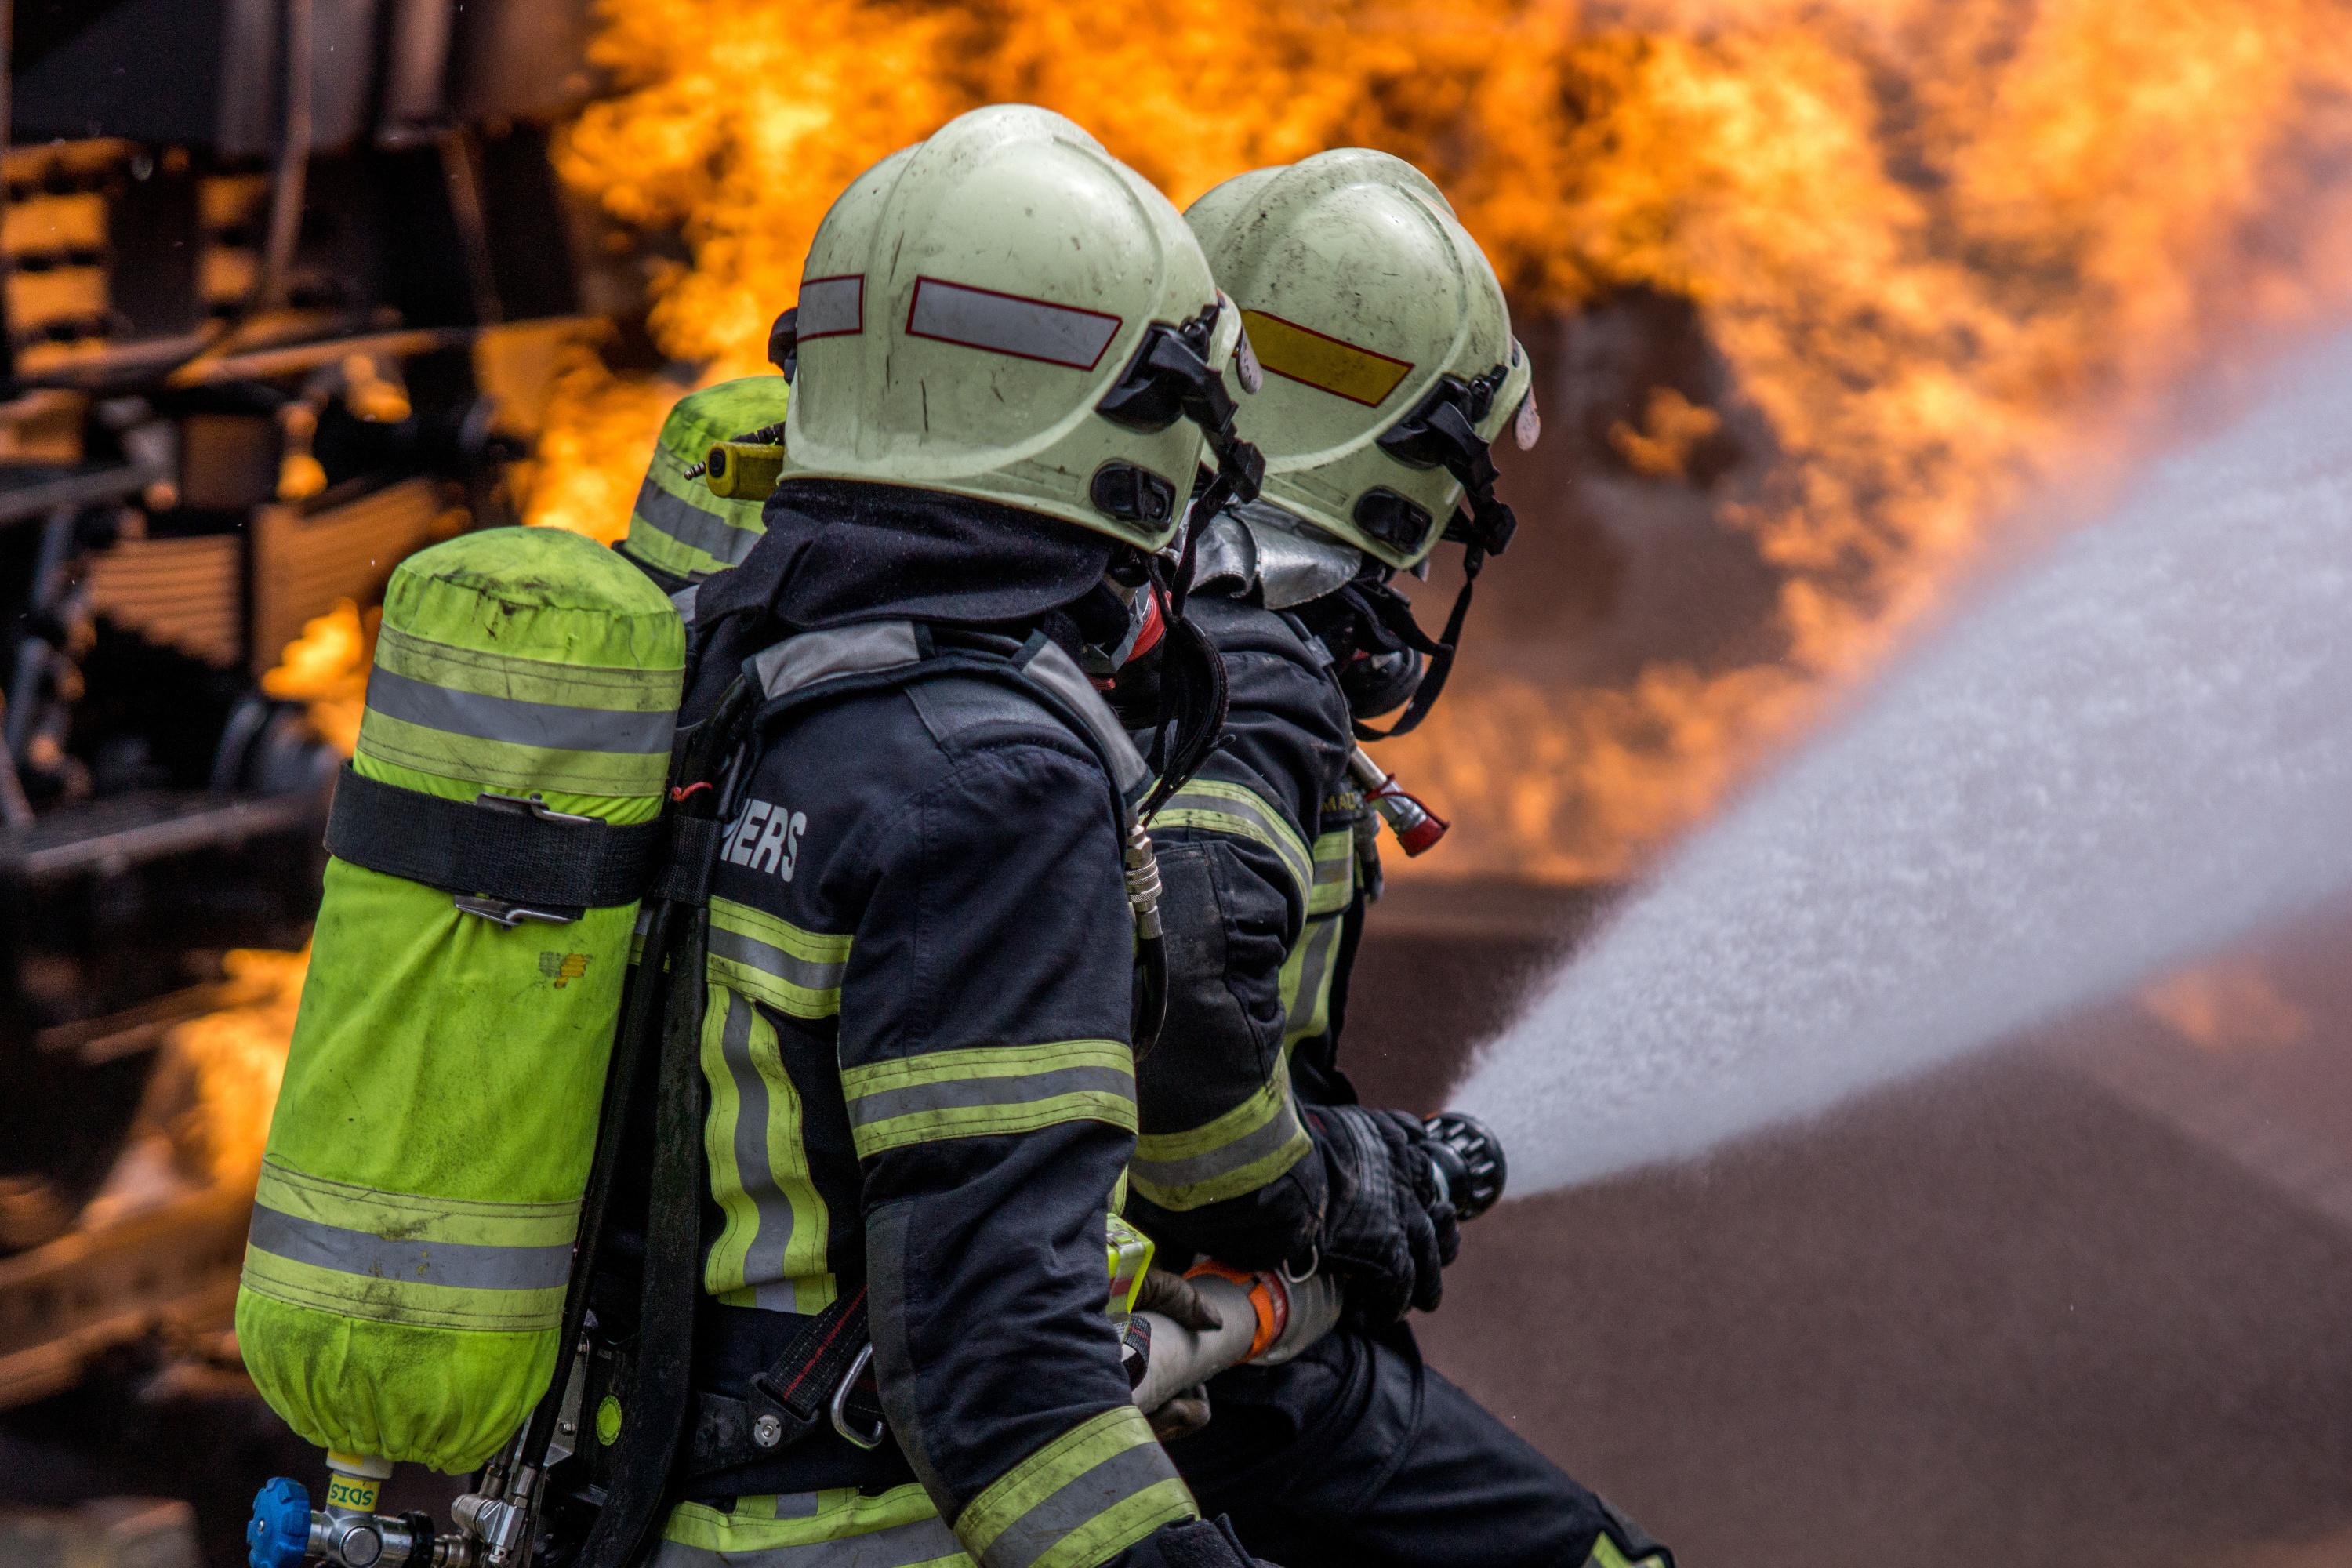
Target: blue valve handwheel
[(278, 1534)]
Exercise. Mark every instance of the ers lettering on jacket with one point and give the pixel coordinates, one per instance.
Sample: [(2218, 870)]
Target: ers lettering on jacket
[(766, 839)]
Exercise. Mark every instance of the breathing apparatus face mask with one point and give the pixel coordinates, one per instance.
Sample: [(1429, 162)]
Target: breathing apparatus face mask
[(1441, 432), (1120, 621)]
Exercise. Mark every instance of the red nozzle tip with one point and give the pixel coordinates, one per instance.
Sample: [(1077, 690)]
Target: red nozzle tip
[(1422, 836)]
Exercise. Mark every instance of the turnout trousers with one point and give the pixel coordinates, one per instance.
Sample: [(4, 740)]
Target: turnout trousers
[(1357, 1455)]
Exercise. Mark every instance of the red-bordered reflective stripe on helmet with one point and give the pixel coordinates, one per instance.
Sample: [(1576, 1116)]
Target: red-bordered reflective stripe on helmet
[(1009, 324), (833, 307)]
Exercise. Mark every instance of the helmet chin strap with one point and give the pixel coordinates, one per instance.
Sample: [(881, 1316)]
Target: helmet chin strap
[(1487, 529)]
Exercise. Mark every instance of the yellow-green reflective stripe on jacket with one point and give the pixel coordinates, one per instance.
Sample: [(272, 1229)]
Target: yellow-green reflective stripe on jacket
[(401, 1258), (771, 1248), (1216, 806), (1240, 1151), (982, 1090), (773, 960), (1335, 872), (837, 1528), (1307, 972), (1084, 1496)]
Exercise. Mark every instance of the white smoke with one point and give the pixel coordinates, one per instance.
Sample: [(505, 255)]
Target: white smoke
[(2134, 753)]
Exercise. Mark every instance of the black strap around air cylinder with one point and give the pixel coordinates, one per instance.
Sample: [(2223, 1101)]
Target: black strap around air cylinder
[(508, 850)]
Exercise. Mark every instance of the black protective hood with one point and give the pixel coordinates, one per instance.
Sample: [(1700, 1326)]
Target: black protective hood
[(838, 551)]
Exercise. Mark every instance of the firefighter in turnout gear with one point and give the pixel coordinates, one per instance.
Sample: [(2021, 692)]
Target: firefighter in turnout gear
[(1389, 368), (911, 1066)]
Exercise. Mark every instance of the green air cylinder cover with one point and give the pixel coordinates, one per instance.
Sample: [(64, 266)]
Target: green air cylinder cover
[(411, 1234)]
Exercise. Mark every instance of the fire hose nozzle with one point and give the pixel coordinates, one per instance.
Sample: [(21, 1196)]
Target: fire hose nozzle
[(1416, 826), (1469, 1162)]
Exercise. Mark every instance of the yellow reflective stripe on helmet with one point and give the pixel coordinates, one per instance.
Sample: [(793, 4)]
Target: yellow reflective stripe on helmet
[(836, 1528), (988, 1089), (542, 680), (771, 1248), (1083, 1498), (465, 1222), (396, 1301), (1607, 1553), (1335, 872), (1238, 1153), (1306, 979), (773, 960), (1220, 808), (1323, 361)]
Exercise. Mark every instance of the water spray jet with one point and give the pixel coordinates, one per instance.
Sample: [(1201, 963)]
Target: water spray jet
[(2134, 753)]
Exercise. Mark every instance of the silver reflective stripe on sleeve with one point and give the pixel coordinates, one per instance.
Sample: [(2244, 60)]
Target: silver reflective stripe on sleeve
[(1183, 1177), (460, 1264), (1079, 1500), (515, 721), (968, 1094), (1215, 806), (685, 600)]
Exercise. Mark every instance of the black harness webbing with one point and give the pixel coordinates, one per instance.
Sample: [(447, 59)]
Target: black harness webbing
[(797, 1390), (506, 847), (670, 969)]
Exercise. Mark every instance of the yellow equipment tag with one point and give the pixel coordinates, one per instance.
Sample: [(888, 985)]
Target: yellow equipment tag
[(1130, 1254)]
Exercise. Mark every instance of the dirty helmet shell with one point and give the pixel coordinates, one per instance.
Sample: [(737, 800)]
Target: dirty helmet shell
[(995, 312), (1385, 342)]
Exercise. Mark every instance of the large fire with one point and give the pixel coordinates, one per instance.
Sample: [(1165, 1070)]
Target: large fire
[(1951, 251)]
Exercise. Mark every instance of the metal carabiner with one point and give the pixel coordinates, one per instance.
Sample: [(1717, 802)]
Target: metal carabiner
[(841, 1404)]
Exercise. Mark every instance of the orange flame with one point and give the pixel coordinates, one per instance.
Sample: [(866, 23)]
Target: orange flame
[(326, 668), (2229, 1005), (1950, 251), (239, 1056)]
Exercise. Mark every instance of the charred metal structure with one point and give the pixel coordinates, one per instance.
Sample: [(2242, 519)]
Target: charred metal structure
[(281, 284)]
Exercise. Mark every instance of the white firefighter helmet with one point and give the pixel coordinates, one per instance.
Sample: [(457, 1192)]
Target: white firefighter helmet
[(1004, 310), (1388, 348)]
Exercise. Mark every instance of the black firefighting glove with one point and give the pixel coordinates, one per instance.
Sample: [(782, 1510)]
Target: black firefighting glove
[(1197, 1543), (1387, 1234)]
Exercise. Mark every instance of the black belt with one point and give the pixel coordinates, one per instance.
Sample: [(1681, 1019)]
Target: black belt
[(787, 1403)]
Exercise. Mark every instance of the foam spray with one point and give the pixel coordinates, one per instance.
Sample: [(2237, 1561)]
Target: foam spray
[(2139, 751)]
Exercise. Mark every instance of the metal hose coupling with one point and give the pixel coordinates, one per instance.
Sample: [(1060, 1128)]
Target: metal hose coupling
[(1469, 1160), (1142, 883)]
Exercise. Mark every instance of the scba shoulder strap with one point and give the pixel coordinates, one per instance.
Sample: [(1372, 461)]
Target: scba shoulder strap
[(813, 1381), (813, 666), (876, 654)]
